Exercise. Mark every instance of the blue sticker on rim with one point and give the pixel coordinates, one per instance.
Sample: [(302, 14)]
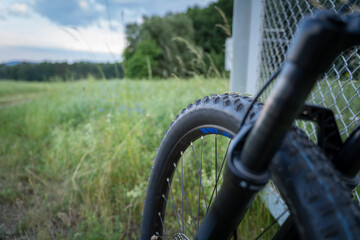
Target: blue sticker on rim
[(216, 131)]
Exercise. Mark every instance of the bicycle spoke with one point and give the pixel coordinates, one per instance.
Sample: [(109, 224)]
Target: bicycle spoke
[(186, 199), (172, 197), (200, 182), (215, 164), (218, 176), (271, 224), (162, 223), (223, 162), (182, 221), (182, 187), (201, 157)]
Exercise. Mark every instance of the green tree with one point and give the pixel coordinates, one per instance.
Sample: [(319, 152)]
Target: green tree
[(190, 43), (210, 37), (174, 57), (133, 37), (47, 71), (143, 60)]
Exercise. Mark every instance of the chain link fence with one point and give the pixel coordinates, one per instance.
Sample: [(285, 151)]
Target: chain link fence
[(338, 88)]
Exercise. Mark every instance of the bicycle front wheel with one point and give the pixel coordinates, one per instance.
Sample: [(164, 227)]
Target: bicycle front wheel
[(188, 168)]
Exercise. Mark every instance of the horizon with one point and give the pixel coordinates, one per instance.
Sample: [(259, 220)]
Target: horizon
[(16, 62)]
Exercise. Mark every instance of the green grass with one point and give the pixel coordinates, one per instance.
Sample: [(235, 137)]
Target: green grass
[(76, 156)]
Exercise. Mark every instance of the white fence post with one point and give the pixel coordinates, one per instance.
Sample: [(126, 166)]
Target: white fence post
[(247, 25)]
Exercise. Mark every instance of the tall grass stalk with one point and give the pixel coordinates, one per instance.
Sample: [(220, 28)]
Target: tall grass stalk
[(226, 27), (198, 62)]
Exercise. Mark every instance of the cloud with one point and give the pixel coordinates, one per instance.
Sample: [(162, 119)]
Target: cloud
[(134, 9), (127, 15), (84, 13), (95, 39), (18, 9), (70, 12), (160, 7), (130, 1)]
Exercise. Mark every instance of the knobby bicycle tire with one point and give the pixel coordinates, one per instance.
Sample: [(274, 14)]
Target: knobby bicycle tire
[(217, 115), (321, 204)]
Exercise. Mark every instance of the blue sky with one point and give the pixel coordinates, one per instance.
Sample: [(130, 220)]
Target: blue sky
[(74, 30)]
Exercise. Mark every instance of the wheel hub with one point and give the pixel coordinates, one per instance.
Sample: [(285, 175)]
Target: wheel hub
[(180, 236)]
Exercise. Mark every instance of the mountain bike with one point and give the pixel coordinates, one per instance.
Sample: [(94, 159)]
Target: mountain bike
[(193, 193)]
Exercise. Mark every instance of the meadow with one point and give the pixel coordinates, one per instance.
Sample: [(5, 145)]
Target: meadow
[(75, 157)]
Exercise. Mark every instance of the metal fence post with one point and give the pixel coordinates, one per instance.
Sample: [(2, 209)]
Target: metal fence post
[(247, 25)]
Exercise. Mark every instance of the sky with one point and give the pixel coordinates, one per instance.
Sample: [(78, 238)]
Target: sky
[(74, 30)]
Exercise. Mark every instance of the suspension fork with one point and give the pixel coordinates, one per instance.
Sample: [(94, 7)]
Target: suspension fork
[(318, 40)]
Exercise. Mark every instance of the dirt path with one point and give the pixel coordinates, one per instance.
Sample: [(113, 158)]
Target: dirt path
[(13, 100), (11, 217), (14, 103)]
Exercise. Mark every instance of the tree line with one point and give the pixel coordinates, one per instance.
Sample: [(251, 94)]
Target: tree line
[(47, 71), (182, 44)]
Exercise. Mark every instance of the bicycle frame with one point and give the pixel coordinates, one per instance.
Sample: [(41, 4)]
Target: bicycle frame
[(317, 42)]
